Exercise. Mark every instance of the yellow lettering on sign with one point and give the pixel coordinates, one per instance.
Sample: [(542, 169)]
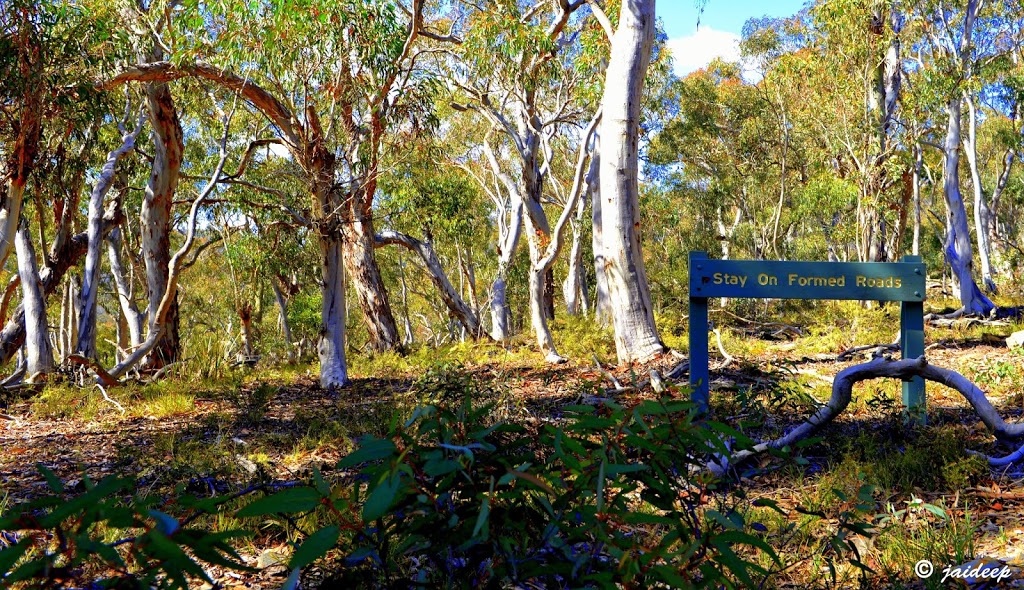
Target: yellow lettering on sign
[(799, 281), (886, 282)]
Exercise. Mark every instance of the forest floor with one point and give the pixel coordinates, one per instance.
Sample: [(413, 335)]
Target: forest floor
[(276, 424)]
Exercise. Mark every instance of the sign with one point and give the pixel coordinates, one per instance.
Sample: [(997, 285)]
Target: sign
[(775, 279)]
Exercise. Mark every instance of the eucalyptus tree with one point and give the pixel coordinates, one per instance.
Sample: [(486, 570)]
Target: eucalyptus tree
[(991, 88), (49, 57), (87, 327), (335, 78), (950, 33), (519, 72), (636, 336), (442, 206)]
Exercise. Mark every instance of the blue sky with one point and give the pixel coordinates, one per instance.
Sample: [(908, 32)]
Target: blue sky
[(720, 27)]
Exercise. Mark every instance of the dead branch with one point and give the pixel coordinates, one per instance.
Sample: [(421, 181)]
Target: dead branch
[(842, 393), (101, 373), (875, 349), (607, 374), (1000, 461), (109, 399), (728, 358)]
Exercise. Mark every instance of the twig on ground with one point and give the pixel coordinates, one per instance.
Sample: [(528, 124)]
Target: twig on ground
[(728, 358), (110, 399), (101, 373), (607, 374)]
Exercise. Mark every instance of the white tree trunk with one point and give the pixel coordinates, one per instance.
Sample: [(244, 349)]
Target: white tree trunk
[(636, 338), (574, 288), (66, 342), (86, 345), (37, 337), (125, 293), (602, 302), (509, 243), (958, 249), (331, 348), (981, 209), (9, 217)]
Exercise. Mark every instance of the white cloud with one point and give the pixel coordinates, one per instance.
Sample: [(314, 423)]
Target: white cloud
[(693, 52)]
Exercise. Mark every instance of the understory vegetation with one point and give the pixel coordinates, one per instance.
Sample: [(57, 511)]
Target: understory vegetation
[(397, 294), (471, 467)]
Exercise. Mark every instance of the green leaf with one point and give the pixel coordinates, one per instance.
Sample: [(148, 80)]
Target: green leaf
[(318, 481), (299, 499), (381, 498), (52, 481), (371, 449), (11, 555), (315, 546)]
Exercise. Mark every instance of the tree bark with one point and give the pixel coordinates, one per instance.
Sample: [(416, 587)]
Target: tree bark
[(22, 157), (602, 302), (282, 319), (636, 337), (425, 250), (86, 345), (958, 250), (37, 343), (331, 349), (982, 213), (125, 293), (364, 273), (508, 244), (155, 218), (12, 337)]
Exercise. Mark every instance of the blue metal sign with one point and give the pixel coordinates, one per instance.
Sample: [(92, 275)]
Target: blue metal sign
[(774, 279)]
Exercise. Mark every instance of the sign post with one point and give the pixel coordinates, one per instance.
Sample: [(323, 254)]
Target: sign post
[(774, 279)]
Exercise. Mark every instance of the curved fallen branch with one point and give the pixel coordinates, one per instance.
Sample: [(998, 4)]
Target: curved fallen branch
[(842, 393)]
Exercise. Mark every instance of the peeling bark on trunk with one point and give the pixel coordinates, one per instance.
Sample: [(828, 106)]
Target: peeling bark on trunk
[(636, 337), (245, 320), (21, 159), (155, 218), (425, 250), (364, 273), (37, 341)]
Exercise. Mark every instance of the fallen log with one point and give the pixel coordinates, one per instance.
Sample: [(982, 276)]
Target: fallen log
[(842, 393)]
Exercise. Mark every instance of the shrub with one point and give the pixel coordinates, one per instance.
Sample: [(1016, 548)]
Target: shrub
[(609, 498)]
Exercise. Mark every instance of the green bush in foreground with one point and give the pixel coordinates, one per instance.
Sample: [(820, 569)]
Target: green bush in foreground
[(606, 496)]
